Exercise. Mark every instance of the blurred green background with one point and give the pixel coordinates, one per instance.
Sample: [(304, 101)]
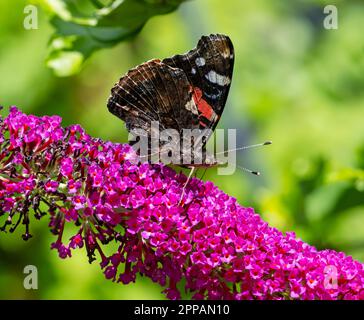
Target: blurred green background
[(294, 83)]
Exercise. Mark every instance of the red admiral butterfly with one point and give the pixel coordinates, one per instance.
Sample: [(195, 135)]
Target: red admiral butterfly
[(186, 91)]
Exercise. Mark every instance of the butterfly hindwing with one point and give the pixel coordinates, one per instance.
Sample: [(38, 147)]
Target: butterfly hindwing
[(154, 91)]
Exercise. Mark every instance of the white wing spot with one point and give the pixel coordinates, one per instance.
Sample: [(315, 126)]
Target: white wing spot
[(200, 62), (191, 106), (226, 54), (193, 71), (219, 79)]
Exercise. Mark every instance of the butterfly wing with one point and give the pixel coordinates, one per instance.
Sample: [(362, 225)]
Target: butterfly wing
[(209, 68)]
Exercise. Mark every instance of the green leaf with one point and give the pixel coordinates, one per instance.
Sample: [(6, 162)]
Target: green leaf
[(86, 26), (65, 63)]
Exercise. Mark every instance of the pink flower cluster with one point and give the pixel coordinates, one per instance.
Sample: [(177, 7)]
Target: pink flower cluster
[(219, 249)]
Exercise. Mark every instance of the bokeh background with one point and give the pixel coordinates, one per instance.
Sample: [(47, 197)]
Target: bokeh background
[(294, 83)]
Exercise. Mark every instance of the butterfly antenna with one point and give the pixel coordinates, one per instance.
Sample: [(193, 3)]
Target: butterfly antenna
[(247, 147), (186, 183), (256, 173)]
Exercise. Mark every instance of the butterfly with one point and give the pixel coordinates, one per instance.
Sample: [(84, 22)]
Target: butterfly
[(186, 91)]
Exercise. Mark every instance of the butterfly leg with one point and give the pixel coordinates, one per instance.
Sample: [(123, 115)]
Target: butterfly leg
[(196, 173), (186, 183), (203, 173)]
